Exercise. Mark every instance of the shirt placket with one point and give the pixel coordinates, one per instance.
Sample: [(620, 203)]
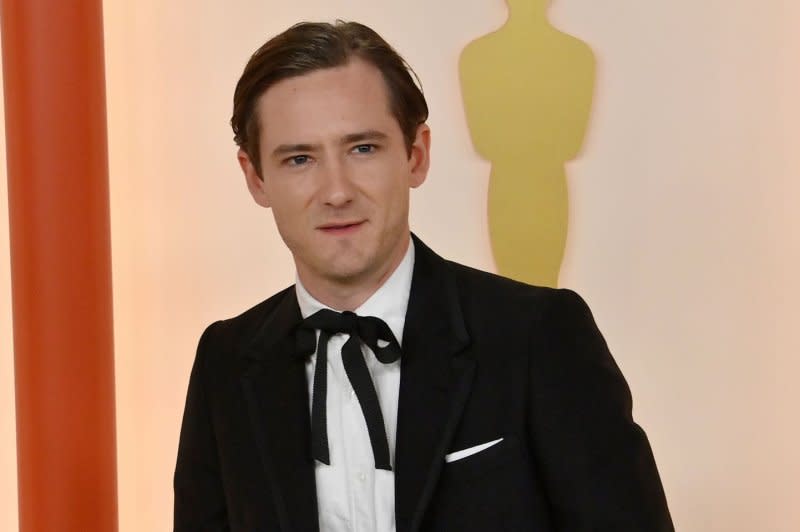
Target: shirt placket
[(358, 456)]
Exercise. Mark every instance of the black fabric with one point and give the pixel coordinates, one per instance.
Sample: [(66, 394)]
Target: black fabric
[(362, 329), (483, 358)]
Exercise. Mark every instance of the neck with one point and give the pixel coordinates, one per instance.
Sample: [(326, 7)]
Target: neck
[(349, 294)]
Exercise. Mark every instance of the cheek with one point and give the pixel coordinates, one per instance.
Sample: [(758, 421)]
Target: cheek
[(392, 190), (396, 202), (287, 219), (286, 202)]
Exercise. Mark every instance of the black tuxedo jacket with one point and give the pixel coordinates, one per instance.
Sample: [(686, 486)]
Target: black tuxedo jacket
[(483, 358)]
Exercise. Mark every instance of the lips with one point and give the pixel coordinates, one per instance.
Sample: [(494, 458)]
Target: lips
[(341, 227)]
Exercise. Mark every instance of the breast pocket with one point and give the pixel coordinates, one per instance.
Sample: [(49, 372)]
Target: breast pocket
[(477, 492), (483, 462)]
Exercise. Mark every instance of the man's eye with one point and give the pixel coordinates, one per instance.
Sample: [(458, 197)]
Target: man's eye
[(297, 160), (364, 148)]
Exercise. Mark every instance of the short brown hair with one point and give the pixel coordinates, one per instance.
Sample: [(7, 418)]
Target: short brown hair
[(310, 46)]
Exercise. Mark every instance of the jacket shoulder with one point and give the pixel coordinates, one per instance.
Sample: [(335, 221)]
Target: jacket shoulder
[(491, 301), (240, 329), (478, 287)]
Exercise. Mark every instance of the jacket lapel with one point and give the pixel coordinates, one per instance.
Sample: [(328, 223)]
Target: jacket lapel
[(435, 379), (276, 393)]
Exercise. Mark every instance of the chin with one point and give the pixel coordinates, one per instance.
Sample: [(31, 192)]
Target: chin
[(349, 274)]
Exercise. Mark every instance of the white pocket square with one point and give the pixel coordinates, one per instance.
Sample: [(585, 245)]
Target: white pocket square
[(469, 451)]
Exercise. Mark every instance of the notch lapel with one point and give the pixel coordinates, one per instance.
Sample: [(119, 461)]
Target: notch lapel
[(276, 393), (435, 380)]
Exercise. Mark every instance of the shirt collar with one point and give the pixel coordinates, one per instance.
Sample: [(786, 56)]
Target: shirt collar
[(389, 302)]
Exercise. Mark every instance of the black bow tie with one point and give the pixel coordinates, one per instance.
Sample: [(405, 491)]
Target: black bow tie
[(362, 329)]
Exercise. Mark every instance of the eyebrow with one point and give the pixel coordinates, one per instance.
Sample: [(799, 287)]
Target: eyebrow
[(369, 134), (284, 149)]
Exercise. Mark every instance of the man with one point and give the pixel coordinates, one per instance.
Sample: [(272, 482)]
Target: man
[(389, 389)]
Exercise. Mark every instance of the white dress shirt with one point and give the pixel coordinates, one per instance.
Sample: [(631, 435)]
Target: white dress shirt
[(353, 496)]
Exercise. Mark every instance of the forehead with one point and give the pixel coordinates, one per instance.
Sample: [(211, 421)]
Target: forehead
[(331, 101)]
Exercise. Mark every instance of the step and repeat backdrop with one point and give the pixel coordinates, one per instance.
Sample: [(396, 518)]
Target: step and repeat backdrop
[(645, 154)]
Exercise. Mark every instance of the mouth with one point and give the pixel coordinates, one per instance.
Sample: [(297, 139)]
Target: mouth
[(341, 228)]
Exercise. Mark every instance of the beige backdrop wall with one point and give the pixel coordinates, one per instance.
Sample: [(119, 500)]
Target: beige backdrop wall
[(8, 444), (683, 236)]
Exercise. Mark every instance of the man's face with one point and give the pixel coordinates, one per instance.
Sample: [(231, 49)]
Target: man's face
[(336, 173)]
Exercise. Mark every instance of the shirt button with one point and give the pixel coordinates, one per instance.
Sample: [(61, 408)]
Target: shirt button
[(362, 477)]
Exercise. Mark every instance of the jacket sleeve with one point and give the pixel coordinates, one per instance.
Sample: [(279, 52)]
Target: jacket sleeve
[(199, 497), (597, 466)]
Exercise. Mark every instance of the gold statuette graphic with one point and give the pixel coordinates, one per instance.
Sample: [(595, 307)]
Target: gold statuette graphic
[(528, 92)]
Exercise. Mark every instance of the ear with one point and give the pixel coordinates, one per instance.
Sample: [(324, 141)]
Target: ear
[(254, 182), (420, 159)]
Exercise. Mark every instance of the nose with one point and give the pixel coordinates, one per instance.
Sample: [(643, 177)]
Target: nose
[(336, 189)]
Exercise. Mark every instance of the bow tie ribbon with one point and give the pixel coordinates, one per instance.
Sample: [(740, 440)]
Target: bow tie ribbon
[(377, 335)]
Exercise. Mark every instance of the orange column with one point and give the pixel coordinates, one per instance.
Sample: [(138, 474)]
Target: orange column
[(54, 84)]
